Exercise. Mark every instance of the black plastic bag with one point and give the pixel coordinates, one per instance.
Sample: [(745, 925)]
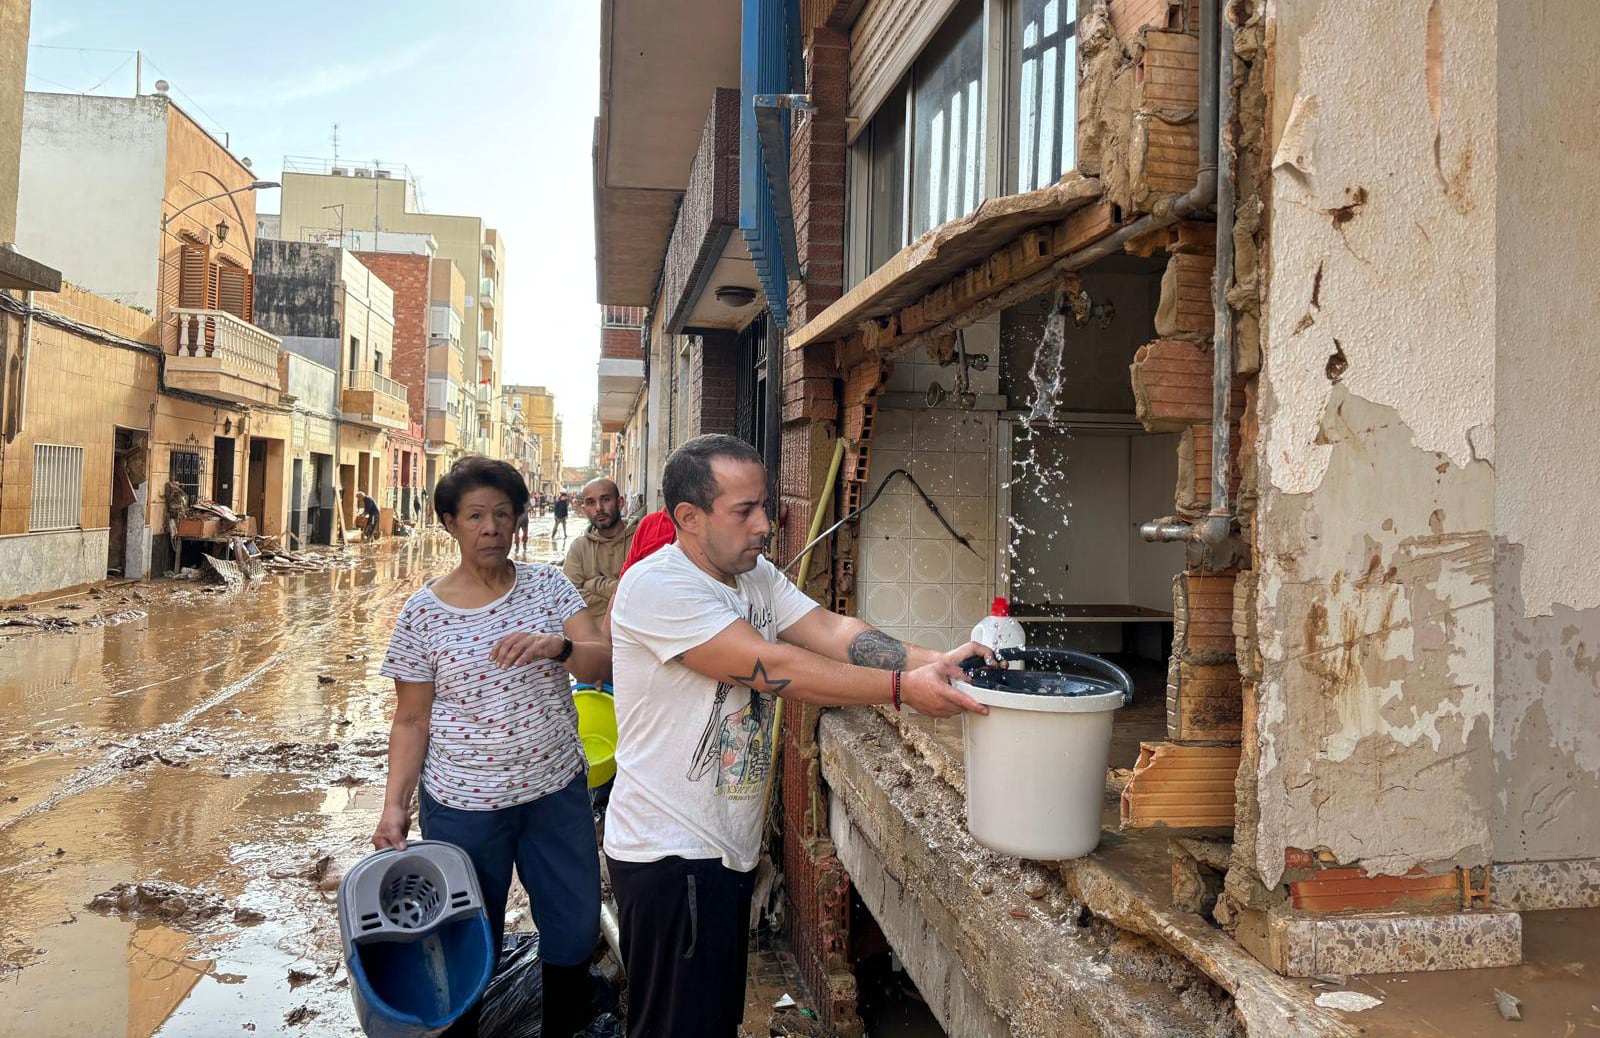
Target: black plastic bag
[(513, 1005), (606, 1025)]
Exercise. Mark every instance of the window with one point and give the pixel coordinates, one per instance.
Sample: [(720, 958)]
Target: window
[(57, 488), (947, 122), (1042, 112), (377, 361), (355, 353), (185, 471), (886, 195), (924, 156)]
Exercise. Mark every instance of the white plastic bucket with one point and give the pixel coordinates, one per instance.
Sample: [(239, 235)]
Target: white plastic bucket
[(1036, 770)]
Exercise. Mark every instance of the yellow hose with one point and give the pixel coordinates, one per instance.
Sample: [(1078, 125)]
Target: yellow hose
[(817, 517)]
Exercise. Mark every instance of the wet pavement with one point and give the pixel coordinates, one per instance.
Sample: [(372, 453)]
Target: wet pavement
[(228, 743)]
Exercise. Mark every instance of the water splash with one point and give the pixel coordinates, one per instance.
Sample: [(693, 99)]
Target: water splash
[(1039, 464)]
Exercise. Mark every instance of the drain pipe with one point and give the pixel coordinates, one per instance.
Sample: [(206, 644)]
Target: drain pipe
[(1217, 61), (19, 408)]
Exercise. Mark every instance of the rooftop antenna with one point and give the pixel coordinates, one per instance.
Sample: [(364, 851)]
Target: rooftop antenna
[(335, 139), (377, 217)]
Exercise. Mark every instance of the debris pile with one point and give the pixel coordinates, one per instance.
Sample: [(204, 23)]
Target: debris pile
[(172, 904)]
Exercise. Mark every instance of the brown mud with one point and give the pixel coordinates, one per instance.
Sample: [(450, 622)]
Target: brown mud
[(194, 774)]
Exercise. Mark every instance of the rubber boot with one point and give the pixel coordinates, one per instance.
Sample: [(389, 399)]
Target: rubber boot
[(567, 1000)]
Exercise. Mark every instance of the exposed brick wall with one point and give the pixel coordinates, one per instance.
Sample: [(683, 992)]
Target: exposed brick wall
[(621, 343), (409, 276), (708, 212), (817, 177), (712, 384)]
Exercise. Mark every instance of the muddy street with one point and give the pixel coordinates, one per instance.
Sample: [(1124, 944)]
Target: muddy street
[(212, 767)]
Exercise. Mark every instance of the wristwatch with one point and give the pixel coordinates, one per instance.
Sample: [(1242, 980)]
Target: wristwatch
[(566, 650)]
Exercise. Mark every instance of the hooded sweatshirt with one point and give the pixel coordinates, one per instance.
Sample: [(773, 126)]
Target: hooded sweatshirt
[(594, 564)]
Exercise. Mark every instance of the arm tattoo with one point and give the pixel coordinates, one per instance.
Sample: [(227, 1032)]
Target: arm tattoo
[(876, 649), (760, 680)]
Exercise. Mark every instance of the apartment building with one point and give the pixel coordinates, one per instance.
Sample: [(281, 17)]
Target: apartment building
[(1146, 297), (451, 410), (329, 308), (537, 406), (97, 175), (619, 409), (323, 201)]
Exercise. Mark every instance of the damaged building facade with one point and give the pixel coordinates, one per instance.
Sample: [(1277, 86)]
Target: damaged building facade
[(1229, 359)]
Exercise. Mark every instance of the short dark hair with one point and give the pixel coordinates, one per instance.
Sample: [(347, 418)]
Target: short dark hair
[(688, 476), (473, 472)]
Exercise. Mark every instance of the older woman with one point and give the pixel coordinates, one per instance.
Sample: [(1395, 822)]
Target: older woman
[(485, 717)]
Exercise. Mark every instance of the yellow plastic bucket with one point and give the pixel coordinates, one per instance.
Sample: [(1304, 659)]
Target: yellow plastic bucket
[(597, 727)]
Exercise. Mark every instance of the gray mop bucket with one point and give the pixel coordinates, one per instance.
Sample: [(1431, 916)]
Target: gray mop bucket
[(416, 939)]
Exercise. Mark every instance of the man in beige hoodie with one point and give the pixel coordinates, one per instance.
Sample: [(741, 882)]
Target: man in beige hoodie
[(594, 561)]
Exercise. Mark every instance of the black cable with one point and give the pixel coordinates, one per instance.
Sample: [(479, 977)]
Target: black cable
[(819, 538)]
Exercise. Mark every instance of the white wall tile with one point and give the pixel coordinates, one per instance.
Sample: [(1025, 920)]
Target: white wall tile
[(886, 560), (883, 605), (930, 605), (930, 561)]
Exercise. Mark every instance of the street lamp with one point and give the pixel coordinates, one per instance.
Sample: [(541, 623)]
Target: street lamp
[(259, 185)]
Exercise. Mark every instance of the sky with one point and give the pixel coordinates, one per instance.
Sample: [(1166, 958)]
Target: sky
[(490, 102)]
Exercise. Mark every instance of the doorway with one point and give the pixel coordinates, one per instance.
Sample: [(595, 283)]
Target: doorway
[(126, 555), (222, 471), (256, 484), (297, 477), (322, 499), (347, 494)]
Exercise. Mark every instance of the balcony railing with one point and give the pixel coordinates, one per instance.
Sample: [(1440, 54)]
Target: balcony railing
[(372, 398), (486, 292), (360, 379), (486, 344), (217, 351)]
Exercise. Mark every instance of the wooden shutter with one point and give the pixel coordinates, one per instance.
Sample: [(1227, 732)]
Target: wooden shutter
[(234, 291), (194, 277)]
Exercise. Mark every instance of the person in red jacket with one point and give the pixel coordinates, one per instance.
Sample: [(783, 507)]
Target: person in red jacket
[(654, 533)]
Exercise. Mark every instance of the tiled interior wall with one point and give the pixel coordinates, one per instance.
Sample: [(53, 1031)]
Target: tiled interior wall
[(914, 580)]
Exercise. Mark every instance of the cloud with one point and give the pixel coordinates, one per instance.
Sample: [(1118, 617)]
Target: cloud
[(323, 80)]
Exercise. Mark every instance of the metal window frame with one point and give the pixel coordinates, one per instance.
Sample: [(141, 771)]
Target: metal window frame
[(56, 499)]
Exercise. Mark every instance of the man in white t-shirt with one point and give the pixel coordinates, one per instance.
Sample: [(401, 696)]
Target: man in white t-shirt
[(705, 633)]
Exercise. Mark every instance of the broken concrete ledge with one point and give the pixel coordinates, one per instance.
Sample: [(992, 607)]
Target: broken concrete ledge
[(998, 945)]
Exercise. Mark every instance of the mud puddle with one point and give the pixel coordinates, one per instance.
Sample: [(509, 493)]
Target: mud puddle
[(222, 752)]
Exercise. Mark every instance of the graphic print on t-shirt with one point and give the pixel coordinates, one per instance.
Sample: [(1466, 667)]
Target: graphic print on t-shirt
[(737, 746)]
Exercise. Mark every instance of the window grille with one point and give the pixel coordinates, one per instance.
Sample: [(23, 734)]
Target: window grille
[(185, 471), (57, 487)]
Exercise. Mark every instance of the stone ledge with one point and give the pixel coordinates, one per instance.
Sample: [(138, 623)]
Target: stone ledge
[(1012, 929), (1533, 885)]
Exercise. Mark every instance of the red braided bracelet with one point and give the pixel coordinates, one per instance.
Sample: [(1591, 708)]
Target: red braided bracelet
[(895, 678)]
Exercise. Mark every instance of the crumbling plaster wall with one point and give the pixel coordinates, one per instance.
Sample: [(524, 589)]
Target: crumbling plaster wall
[(1374, 537), (1547, 569)]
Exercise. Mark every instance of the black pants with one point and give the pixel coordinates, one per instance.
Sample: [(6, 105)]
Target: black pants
[(685, 937)]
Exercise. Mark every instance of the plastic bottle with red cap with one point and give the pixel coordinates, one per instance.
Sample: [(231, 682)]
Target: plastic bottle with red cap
[(998, 630)]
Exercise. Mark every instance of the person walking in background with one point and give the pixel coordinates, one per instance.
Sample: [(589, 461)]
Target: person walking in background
[(522, 530), (371, 514), (484, 717), (594, 561), (706, 632), (559, 511)]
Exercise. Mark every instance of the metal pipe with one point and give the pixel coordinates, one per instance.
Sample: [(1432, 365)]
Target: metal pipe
[(1219, 523), (1157, 531), (19, 411), (1213, 183)]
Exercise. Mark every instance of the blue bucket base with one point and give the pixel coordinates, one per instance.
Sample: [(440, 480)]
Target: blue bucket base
[(417, 989)]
